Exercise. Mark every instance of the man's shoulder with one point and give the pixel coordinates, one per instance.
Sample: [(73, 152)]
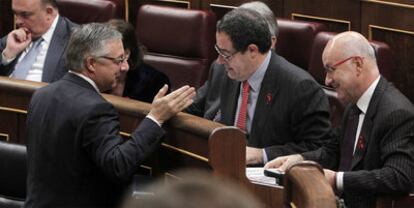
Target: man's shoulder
[(287, 72)]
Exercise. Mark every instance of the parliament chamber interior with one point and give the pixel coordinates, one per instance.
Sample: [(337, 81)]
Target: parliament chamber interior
[(180, 37)]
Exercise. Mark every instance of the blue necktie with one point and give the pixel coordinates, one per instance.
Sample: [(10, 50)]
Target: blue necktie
[(22, 68)]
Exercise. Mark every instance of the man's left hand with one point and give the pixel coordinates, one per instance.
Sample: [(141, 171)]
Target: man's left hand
[(254, 156)]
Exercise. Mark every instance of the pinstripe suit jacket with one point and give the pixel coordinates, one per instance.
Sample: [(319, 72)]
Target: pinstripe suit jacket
[(292, 111), (384, 163)]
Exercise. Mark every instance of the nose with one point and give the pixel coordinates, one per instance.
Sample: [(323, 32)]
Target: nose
[(220, 59), (328, 80), (18, 19), (124, 66)]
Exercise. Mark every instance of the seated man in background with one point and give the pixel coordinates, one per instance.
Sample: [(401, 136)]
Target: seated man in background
[(208, 98), (76, 156), (141, 81), (35, 50), (374, 154), (280, 106)]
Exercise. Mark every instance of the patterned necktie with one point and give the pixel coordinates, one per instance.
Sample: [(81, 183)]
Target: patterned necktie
[(241, 120), (349, 139), (22, 68)]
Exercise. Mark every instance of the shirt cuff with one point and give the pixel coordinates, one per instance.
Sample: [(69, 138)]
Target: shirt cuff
[(155, 120), (265, 160), (340, 181), (5, 61)]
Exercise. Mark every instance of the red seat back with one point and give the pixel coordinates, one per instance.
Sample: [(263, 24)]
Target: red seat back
[(83, 12), (180, 42)]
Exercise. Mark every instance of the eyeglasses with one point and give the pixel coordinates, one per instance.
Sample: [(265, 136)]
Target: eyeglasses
[(226, 57), (118, 61), (333, 67)]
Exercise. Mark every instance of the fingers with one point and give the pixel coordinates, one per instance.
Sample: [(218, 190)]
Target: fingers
[(21, 35), (161, 93), (276, 163), (181, 98)]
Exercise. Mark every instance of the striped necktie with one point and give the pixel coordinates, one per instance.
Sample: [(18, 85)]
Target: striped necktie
[(22, 68)]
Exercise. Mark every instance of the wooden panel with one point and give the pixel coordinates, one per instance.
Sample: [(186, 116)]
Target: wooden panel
[(330, 12), (398, 33)]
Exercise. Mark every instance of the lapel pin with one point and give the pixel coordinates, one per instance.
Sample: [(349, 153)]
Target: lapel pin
[(361, 143), (268, 98)]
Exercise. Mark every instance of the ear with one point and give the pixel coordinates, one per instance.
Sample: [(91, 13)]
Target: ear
[(253, 49), (274, 41), (89, 64), (359, 63)]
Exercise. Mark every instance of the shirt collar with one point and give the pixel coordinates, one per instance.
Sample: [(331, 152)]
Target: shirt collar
[(256, 79), (47, 37), (363, 101), (89, 80)]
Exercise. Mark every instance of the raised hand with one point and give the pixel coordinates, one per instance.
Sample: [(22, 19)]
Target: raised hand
[(165, 106), (17, 41)]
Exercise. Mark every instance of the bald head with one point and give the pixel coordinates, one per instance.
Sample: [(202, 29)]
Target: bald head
[(351, 65), (349, 44)]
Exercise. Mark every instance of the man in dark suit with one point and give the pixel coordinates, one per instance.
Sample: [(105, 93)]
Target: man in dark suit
[(36, 21), (287, 111), (375, 153), (76, 157)]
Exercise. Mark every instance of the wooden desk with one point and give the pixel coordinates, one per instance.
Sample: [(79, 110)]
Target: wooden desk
[(190, 142)]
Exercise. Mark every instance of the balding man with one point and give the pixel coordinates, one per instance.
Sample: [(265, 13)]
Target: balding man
[(35, 50), (374, 154)]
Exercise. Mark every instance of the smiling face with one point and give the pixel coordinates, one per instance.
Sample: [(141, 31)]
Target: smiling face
[(237, 64), (34, 16), (343, 77)]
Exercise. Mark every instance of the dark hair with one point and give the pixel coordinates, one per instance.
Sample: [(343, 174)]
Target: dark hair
[(245, 27), (130, 41)]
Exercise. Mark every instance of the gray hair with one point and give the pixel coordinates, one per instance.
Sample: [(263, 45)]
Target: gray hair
[(89, 40), (266, 12)]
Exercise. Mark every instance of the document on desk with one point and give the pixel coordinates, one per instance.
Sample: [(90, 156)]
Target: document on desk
[(256, 175)]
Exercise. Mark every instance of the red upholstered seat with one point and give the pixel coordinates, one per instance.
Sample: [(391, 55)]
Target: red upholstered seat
[(82, 12), (180, 42), (295, 39)]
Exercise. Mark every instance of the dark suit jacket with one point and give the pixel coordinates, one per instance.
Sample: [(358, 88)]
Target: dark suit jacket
[(54, 66), (144, 82), (384, 162), (76, 157), (292, 111)]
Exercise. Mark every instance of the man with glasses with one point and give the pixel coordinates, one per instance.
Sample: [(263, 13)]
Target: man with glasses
[(280, 106), (76, 156), (34, 51), (374, 154)]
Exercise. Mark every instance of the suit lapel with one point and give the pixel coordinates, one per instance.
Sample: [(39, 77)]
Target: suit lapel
[(56, 50), (266, 98), (365, 135), (229, 98)]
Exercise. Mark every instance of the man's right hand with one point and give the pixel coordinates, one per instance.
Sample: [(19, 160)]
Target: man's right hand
[(284, 162), (17, 41), (165, 106)]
